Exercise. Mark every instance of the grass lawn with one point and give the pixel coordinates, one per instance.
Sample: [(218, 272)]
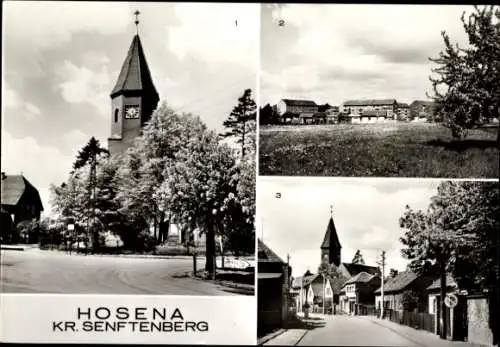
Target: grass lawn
[(390, 150)]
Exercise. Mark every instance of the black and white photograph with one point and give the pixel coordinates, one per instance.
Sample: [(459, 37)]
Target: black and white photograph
[(379, 90), (128, 148), (365, 262)]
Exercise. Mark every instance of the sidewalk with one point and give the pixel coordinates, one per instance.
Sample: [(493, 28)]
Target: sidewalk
[(420, 337), (18, 247), (287, 338)]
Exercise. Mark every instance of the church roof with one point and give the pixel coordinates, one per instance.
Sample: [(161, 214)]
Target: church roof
[(355, 269), (331, 238), (135, 74), (362, 277)]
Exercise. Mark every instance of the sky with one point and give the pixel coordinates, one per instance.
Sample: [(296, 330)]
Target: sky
[(333, 53), (61, 60), (366, 215)]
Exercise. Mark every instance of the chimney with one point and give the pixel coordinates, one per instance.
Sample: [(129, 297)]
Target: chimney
[(4, 176)]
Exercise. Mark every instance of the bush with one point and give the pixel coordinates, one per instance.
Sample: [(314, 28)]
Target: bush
[(145, 242)]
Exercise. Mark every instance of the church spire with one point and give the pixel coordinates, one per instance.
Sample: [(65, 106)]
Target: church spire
[(135, 75), (133, 98), (136, 14), (331, 245)]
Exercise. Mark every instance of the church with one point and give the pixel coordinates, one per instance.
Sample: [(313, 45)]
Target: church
[(134, 98), (316, 289)]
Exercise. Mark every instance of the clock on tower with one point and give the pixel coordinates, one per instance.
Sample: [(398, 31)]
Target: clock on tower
[(132, 112)]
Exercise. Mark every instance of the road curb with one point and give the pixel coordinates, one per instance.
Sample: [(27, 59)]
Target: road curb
[(229, 285), (270, 336), (11, 248), (303, 335)]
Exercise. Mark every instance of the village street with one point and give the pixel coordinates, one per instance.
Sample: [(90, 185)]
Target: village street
[(344, 330), (36, 271)]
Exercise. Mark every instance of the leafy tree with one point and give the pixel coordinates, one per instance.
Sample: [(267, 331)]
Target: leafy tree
[(268, 115), (238, 119), (336, 278), (198, 184), (142, 172), (467, 86), (240, 205), (410, 300), (70, 199), (458, 234), (358, 258)]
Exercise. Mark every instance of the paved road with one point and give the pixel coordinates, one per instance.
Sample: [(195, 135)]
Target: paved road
[(35, 271), (352, 331)]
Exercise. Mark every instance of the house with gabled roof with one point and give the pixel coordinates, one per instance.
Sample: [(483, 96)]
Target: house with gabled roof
[(299, 111), (396, 286), (359, 290), (315, 290), (274, 279), (20, 202)]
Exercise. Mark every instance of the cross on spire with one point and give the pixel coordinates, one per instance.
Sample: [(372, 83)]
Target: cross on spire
[(136, 14), (331, 210)]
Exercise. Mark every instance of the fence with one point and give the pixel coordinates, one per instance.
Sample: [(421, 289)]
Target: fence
[(368, 310), (416, 320)]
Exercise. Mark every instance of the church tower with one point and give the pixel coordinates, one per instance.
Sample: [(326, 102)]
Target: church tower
[(133, 99), (330, 248)]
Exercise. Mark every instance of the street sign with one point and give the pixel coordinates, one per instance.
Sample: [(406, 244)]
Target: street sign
[(451, 300)]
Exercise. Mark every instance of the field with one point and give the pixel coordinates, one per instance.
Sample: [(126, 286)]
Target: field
[(383, 150)]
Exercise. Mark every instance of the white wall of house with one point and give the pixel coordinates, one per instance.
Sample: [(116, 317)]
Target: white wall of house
[(419, 119), (328, 290), (281, 107), (432, 303), (355, 118), (310, 296)]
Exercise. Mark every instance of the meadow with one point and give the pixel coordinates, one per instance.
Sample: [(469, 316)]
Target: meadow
[(379, 150)]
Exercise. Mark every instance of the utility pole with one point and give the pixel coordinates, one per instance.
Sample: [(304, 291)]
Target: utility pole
[(382, 263)]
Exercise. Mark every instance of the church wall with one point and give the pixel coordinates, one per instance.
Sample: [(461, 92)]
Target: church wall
[(124, 131), (131, 127), (116, 127)]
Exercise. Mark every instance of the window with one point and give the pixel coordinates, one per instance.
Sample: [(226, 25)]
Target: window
[(116, 115)]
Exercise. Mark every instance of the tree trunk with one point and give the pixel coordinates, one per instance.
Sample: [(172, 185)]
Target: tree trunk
[(443, 331), (498, 136), (243, 141), (155, 227), (164, 229), (210, 249)]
